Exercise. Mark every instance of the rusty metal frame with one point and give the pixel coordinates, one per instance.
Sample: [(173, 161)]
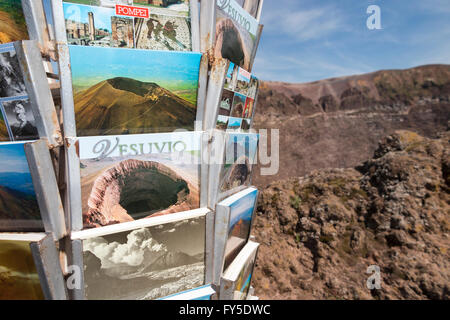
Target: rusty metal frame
[(33, 11), (195, 25), (215, 88), (258, 16), (46, 188), (72, 162), (38, 91), (46, 259), (202, 93), (207, 25)]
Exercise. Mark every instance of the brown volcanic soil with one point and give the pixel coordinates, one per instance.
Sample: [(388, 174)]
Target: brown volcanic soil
[(321, 232), (128, 106), (337, 123)]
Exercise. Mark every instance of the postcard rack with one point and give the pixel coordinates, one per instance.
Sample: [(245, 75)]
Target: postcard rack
[(127, 149)]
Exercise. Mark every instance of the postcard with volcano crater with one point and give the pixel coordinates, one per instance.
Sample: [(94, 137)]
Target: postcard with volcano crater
[(130, 91), (130, 177)]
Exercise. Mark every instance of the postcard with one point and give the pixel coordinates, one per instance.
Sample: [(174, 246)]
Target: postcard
[(246, 124), (15, 108), (4, 131), (19, 208), (146, 263), (240, 155), (226, 101), (244, 279), (229, 84), (234, 123), (168, 7), (222, 122), (11, 80), (248, 110), (161, 32), (243, 81), (252, 7), (238, 105), (20, 118), (236, 32), (201, 293), (19, 278), (253, 87), (241, 215), (12, 21), (146, 91), (125, 178), (107, 26), (102, 3)]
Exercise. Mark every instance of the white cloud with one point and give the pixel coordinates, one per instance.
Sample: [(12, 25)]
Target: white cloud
[(139, 246), (304, 25)]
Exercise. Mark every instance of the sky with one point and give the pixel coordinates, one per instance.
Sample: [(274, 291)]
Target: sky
[(243, 208), (166, 68), (13, 158), (309, 40), (77, 12)]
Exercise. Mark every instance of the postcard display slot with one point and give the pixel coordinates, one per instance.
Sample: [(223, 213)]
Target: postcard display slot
[(126, 199), (31, 213)]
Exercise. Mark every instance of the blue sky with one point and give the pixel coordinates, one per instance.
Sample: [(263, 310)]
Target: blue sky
[(234, 122), (77, 12), (13, 158), (243, 208), (91, 65), (308, 40)]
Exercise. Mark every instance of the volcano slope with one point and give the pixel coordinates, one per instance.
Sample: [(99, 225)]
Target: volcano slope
[(320, 233), (337, 123), (12, 22), (127, 106)]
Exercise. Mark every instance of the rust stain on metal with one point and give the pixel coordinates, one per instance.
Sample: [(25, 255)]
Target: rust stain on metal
[(23, 62), (57, 134), (68, 142), (77, 147), (218, 69)]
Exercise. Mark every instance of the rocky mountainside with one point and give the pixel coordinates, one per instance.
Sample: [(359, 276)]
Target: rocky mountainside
[(124, 105), (319, 233), (16, 205), (337, 123)]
